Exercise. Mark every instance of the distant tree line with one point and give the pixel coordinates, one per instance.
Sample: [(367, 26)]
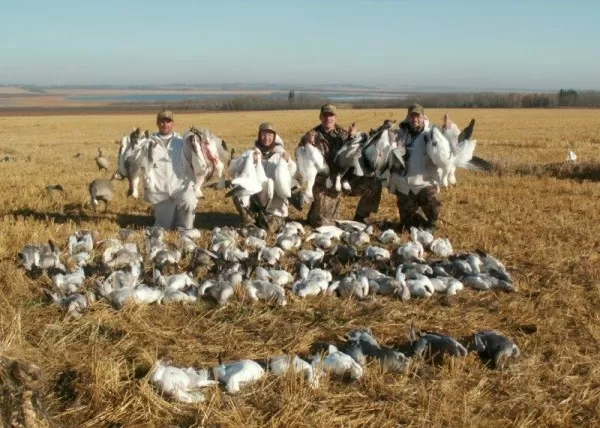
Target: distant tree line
[(298, 101)]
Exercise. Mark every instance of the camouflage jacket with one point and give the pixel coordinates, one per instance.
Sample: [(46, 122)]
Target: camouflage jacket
[(328, 142)]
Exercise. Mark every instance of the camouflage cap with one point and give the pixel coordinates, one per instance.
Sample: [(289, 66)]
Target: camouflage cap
[(165, 114), (267, 126), (416, 108), (328, 108)]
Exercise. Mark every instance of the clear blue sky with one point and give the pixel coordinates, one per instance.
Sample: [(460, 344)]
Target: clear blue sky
[(526, 44)]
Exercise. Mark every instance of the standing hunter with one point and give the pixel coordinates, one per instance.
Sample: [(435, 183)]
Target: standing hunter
[(329, 137), (415, 187)]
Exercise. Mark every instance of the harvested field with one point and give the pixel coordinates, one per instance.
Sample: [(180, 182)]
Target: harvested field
[(541, 221)]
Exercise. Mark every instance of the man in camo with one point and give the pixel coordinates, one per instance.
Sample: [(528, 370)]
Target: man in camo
[(329, 137), (417, 195)]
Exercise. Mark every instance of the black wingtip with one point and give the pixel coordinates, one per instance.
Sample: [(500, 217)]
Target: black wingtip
[(479, 164)]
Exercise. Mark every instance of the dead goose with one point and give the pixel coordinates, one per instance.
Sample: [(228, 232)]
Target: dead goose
[(493, 346), (127, 235), (255, 243), (235, 375), (282, 364), (356, 238), (419, 285), (270, 255), (180, 384), (29, 257), (101, 161), (221, 291), (288, 242), (423, 236), (432, 344), (413, 250), (253, 231), (390, 360), (277, 276), (377, 253), (310, 257), (485, 282), (69, 283), (337, 363), (441, 247), (76, 304), (263, 290), (389, 237), (343, 254), (80, 241), (351, 285), (101, 190), (142, 294)]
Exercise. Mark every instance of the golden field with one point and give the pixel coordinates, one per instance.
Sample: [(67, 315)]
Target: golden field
[(546, 230)]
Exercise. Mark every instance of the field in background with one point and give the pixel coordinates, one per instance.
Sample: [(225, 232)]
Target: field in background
[(544, 229)]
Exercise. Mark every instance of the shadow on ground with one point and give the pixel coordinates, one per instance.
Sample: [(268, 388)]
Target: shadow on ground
[(204, 220)]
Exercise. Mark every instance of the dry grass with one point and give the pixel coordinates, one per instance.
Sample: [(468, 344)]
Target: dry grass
[(543, 227)]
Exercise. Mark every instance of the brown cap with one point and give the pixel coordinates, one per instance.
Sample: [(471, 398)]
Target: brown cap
[(328, 108), (267, 126), (416, 108), (165, 114)]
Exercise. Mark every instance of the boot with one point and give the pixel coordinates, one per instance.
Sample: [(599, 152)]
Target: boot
[(297, 199), (247, 219)]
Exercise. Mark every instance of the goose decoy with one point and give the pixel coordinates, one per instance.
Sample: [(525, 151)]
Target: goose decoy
[(101, 161), (432, 344), (337, 363), (180, 384), (441, 247), (492, 345), (263, 290), (235, 375), (101, 190), (282, 364)]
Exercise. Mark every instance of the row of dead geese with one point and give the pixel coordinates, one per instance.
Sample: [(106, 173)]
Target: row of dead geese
[(347, 360), (342, 260)]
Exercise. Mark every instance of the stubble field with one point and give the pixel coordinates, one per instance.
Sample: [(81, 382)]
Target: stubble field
[(545, 230)]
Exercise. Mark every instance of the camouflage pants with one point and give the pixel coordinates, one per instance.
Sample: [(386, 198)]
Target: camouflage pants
[(325, 207), (419, 210), (254, 215)]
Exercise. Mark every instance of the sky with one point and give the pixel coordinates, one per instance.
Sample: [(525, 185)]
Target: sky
[(508, 44)]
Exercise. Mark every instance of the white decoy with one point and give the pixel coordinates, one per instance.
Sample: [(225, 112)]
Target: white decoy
[(288, 242), (75, 304), (441, 247), (351, 285), (180, 384), (80, 241), (356, 238), (377, 253), (270, 255), (282, 364), (330, 230), (177, 281), (221, 291), (70, 282), (186, 245), (255, 243), (311, 257), (420, 286), (571, 156), (423, 236), (337, 363), (139, 295), (237, 374), (279, 276), (293, 228), (29, 257), (264, 290), (389, 237)]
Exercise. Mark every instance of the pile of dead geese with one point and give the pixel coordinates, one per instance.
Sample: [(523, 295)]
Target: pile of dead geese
[(349, 259), (341, 260), (348, 360)]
